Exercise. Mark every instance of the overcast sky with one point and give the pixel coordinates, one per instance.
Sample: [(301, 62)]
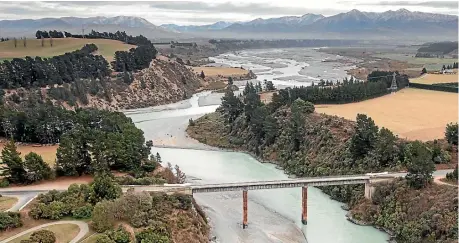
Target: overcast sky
[(210, 11)]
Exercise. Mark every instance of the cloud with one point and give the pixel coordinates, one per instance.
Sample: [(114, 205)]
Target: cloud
[(227, 7), (431, 4)]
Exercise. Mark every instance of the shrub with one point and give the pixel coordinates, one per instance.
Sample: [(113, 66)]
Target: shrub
[(43, 236), (104, 188), (451, 133), (150, 235), (83, 212), (119, 235), (4, 183), (104, 239), (129, 180), (10, 220), (103, 216)]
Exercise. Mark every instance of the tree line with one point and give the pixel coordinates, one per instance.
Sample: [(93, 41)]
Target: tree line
[(66, 68), (454, 66), (90, 140), (43, 34), (341, 92)]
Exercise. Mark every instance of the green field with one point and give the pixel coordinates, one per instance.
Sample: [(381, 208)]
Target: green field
[(107, 48)]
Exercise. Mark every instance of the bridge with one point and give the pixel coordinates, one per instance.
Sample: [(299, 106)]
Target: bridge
[(367, 180)]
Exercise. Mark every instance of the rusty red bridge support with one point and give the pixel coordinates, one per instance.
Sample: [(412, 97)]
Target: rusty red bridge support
[(304, 205), (244, 207)]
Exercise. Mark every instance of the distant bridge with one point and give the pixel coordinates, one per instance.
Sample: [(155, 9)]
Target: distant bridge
[(366, 179)]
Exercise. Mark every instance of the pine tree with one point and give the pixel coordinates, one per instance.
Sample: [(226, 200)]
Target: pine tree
[(36, 168), (158, 158), (13, 166)]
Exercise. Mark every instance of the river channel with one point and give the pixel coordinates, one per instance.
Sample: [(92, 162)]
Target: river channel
[(274, 215)]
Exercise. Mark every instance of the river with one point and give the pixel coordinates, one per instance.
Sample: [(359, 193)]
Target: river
[(274, 215)]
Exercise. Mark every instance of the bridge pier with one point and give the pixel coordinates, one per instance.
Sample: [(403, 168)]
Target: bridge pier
[(304, 205), (369, 190), (244, 208)]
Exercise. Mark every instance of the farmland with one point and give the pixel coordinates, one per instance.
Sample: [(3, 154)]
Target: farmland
[(107, 48), (47, 152), (435, 79), (410, 113)]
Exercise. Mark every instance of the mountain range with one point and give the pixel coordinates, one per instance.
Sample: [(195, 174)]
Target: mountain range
[(132, 25), (354, 21), (353, 24)]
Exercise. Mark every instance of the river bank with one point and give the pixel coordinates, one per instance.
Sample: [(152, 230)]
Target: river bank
[(274, 215)]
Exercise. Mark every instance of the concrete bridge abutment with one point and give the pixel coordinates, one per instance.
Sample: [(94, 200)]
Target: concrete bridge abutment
[(369, 190)]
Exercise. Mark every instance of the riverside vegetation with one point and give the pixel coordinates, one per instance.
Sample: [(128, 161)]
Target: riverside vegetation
[(96, 142), (289, 133)]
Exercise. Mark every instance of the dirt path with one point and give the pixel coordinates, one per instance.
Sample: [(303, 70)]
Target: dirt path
[(84, 229), (438, 181)]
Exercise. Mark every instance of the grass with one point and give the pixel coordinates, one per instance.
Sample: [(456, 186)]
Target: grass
[(47, 152), (435, 79), (107, 48), (409, 113), (7, 202), (63, 232)]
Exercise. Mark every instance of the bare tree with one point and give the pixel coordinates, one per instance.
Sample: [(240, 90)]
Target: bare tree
[(181, 177), (25, 41), (15, 42)]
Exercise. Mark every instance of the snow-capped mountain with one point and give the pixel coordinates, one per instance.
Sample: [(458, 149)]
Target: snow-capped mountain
[(191, 28), (133, 25), (354, 21)]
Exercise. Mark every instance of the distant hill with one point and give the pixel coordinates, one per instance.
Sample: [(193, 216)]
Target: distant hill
[(390, 25), (195, 28), (132, 25)]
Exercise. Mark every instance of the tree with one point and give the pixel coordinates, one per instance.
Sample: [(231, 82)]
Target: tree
[(103, 217), (181, 177), (269, 86), (418, 160), (43, 236), (231, 106), (13, 167), (386, 148), (424, 70), (36, 168), (451, 133), (203, 76), (365, 136), (158, 158), (104, 188)]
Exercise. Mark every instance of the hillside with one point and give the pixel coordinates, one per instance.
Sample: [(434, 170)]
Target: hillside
[(107, 48), (163, 82)]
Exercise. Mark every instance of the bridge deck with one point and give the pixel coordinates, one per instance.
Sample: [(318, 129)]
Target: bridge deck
[(259, 185)]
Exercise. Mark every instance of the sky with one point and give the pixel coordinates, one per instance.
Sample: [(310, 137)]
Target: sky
[(198, 12)]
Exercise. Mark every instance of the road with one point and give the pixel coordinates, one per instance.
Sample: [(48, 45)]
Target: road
[(84, 229)]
